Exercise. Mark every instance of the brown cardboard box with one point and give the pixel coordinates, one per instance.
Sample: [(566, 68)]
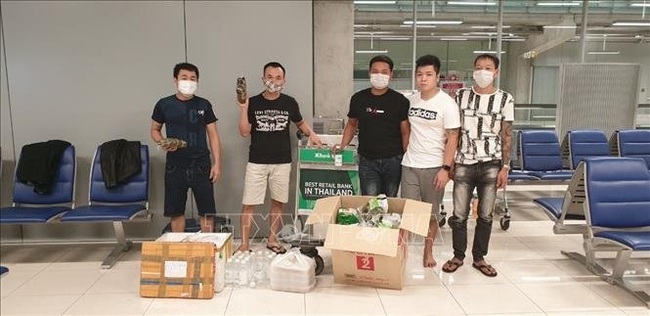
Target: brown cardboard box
[(370, 256), (177, 269), (222, 241)]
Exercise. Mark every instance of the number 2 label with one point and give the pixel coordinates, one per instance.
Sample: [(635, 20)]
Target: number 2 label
[(365, 263)]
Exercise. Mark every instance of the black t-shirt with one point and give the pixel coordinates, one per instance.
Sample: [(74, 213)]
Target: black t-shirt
[(269, 119), (186, 120), (379, 118)]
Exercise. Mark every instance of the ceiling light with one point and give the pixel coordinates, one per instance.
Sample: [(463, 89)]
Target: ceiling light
[(560, 26), (487, 52), (516, 39), (396, 38), (373, 2), (470, 3), (488, 26), (384, 51), (373, 32), (440, 22), (604, 53), (559, 4), (631, 23), (453, 39), (647, 5), (420, 26)]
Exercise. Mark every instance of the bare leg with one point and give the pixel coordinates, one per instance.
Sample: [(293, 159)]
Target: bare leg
[(246, 222), (207, 223), (178, 224), (427, 258), (276, 221)]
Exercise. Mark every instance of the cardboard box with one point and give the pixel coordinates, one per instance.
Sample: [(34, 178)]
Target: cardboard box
[(370, 256), (177, 269), (172, 253), (222, 241)]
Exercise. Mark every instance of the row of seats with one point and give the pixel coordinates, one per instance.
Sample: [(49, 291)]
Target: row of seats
[(608, 203), (544, 160), (128, 201)]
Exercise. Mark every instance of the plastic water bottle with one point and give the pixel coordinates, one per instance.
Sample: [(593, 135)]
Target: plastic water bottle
[(220, 275), (243, 272)]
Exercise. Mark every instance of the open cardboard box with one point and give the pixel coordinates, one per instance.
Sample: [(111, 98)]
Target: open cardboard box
[(370, 256)]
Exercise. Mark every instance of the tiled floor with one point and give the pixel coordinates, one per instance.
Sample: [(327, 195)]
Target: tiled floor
[(534, 279)]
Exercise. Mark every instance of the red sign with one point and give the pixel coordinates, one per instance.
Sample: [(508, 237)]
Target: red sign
[(450, 87), (365, 263)]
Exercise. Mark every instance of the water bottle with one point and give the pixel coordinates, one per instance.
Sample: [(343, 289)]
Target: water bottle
[(220, 275), (243, 273)]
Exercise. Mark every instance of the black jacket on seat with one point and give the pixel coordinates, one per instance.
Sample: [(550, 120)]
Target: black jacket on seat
[(120, 160), (39, 163)]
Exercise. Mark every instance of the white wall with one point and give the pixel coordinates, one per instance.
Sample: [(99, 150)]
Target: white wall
[(636, 53), (91, 71)]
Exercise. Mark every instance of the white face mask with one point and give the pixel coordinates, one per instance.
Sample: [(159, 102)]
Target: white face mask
[(187, 87), (483, 78), (379, 81)]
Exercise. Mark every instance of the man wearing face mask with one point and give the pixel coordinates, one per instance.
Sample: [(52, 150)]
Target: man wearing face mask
[(482, 160), (266, 117), (381, 116), (190, 118)]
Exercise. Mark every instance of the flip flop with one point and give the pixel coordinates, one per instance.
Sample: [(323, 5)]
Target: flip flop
[(239, 249), (486, 269), (277, 249), (451, 266)]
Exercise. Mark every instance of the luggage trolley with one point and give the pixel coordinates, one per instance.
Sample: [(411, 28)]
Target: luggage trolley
[(319, 176)]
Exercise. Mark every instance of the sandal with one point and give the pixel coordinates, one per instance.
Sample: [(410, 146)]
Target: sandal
[(485, 268), (240, 250), (451, 266), (277, 249)]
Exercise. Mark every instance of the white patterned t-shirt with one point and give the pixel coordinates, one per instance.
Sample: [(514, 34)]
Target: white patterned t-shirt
[(481, 116)]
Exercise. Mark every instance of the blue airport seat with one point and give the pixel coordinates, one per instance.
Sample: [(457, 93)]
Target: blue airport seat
[(125, 202), (30, 207)]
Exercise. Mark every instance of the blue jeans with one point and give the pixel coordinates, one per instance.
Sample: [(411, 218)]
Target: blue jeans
[(483, 177), (381, 175)]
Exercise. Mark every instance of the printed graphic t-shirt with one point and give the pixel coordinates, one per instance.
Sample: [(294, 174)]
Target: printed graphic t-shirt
[(429, 121), (481, 116), (379, 122), (269, 119), (185, 120)]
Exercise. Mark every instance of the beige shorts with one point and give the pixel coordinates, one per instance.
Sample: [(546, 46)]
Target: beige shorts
[(258, 175)]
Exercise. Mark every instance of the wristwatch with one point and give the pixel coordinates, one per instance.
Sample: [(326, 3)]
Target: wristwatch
[(446, 167)]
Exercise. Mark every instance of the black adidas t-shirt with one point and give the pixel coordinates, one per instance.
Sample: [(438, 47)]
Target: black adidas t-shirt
[(185, 120), (270, 137), (379, 118)]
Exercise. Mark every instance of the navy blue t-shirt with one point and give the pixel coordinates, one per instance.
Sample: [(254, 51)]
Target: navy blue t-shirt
[(269, 119), (186, 120)]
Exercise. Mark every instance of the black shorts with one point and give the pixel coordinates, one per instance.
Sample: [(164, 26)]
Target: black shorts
[(179, 179)]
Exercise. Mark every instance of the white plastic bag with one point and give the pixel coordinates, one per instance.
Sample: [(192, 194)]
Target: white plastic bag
[(293, 272)]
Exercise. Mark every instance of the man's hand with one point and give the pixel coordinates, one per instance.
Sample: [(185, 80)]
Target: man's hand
[(502, 178), (172, 144), (215, 173), (315, 140), (336, 149), (441, 179), (243, 105)]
